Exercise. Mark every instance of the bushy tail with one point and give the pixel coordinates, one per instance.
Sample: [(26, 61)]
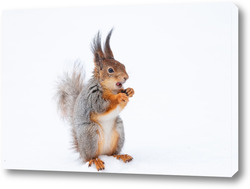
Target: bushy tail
[(68, 89)]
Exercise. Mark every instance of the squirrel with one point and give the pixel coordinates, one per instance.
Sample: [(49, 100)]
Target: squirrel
[(93, 109)]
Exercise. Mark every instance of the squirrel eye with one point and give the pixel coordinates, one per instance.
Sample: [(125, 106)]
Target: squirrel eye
[(110, 70)]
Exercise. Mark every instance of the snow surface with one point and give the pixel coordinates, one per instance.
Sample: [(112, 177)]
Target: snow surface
[(178, 59)]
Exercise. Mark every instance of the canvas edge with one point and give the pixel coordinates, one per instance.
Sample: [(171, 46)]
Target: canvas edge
[(234, 90)]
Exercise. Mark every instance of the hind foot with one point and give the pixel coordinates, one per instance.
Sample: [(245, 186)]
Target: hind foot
[(125, 158), (99, 164)]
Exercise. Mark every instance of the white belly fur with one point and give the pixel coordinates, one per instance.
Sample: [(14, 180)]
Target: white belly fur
[(107, 122)]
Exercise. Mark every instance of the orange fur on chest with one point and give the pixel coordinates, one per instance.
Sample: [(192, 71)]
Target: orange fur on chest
[(113, 101)]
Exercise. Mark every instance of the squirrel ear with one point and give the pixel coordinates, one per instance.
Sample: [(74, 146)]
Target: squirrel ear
[(107, 49), (97, 50), (98, 60)]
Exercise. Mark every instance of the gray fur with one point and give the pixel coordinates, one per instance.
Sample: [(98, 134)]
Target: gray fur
[(68, 89), (76, 103), (120, 130)]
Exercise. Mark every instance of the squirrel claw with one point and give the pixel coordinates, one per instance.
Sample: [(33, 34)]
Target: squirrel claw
[(130, 92), (122, 98), (99, 164), (125, 158)]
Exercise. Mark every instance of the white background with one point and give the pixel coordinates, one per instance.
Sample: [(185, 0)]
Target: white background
[(54, 178)]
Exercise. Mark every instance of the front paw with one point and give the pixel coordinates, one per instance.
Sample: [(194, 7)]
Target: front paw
[(130, 92), (122, 98)]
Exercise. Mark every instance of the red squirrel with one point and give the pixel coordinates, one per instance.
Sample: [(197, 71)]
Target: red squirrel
[(93, 109)]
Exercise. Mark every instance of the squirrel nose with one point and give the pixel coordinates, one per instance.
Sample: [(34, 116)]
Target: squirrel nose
[(125, 78)]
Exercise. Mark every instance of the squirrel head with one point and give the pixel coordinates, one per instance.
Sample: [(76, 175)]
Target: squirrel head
[(109, 72)]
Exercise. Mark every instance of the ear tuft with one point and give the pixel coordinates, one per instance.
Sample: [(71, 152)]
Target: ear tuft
[(97, 50), (107, 49)]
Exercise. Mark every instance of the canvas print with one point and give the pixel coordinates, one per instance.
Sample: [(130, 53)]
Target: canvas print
[(145, 89)]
